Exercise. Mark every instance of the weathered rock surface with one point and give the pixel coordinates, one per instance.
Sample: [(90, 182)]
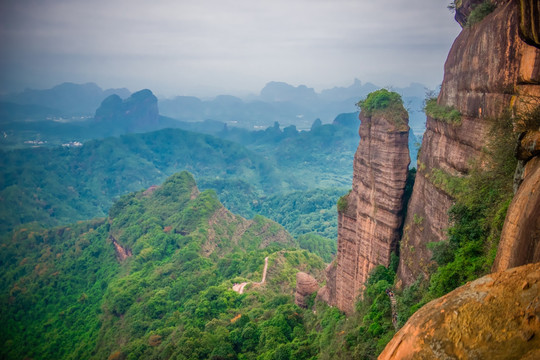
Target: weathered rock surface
[(494, 317), (529, 22), (489, 68), (122, 253), (305, 286), (520, 237), (369, 225)]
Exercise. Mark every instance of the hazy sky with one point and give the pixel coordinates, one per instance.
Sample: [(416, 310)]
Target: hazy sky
[(205, 47)]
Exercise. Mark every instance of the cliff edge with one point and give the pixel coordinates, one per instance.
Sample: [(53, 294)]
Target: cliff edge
[(490, 69)]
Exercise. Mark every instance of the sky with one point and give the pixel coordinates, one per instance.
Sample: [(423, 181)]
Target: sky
[(210, 47)]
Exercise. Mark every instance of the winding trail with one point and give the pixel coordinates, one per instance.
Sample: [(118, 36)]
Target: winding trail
[(239, 288)]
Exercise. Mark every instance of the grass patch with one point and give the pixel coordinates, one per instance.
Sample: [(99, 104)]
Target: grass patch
[(447, 114), (480, 12)]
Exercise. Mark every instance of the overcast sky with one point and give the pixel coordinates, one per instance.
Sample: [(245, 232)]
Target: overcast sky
[(206, 47)]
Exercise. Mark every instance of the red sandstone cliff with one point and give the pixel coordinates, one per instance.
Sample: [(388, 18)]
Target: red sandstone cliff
[(370, 216), (490, 68)]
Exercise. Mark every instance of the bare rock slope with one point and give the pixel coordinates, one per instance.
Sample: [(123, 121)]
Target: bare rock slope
[(494, 317)]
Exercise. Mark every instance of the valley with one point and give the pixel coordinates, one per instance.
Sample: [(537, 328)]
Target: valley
[(289, 224)]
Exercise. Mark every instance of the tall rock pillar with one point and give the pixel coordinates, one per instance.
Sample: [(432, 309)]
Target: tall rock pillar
[(370, 216)]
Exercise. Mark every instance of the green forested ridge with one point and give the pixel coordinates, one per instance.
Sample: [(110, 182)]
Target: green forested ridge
[(64, 294)]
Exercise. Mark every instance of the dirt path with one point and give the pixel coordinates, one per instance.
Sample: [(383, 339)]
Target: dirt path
[(264, 270), (239, 288)]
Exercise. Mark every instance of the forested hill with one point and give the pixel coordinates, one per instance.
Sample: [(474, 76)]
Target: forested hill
[(62, 184), (153, 280), (58, 185)]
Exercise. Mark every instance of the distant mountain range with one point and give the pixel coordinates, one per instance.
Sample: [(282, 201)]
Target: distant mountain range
[(277, 101), (67, 99), (289, 105)]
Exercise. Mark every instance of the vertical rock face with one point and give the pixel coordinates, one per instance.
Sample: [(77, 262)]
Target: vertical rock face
[(370, 216), (489, 68)]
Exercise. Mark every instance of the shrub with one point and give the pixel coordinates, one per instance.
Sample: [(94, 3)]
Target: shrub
[(448, 114), (480, 12), (343, 202), (379, 100)]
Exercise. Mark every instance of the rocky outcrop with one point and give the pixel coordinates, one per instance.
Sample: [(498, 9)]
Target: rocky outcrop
[(305, 286), (370, 216), (139, 112), (122, 253), (494, 317), (489, 69)]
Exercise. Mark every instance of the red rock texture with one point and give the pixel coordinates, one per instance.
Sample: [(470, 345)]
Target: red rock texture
[(520, 238), (369, 225), (489, 69), (122, 253), (305, 286), (529, 23), (494, 317)]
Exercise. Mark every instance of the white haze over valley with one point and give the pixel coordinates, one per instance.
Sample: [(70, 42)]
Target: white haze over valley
[(210, 47)]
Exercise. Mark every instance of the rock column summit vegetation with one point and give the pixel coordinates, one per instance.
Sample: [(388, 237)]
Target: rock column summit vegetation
[(370, 216)]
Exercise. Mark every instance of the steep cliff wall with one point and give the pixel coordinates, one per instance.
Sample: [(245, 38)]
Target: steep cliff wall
[(489, 69), (370, 216), (494, 317)]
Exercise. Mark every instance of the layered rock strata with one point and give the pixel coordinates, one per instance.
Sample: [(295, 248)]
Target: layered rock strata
[(370, 216), (488, 70), (494, 317)]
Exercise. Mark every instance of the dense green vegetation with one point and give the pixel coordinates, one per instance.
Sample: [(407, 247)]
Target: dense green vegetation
[(447, 114), (480, 11), (365, 333), (385, 102), (379, 100), (61, 185), (302, 212), (65, 294), (53, 186)]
